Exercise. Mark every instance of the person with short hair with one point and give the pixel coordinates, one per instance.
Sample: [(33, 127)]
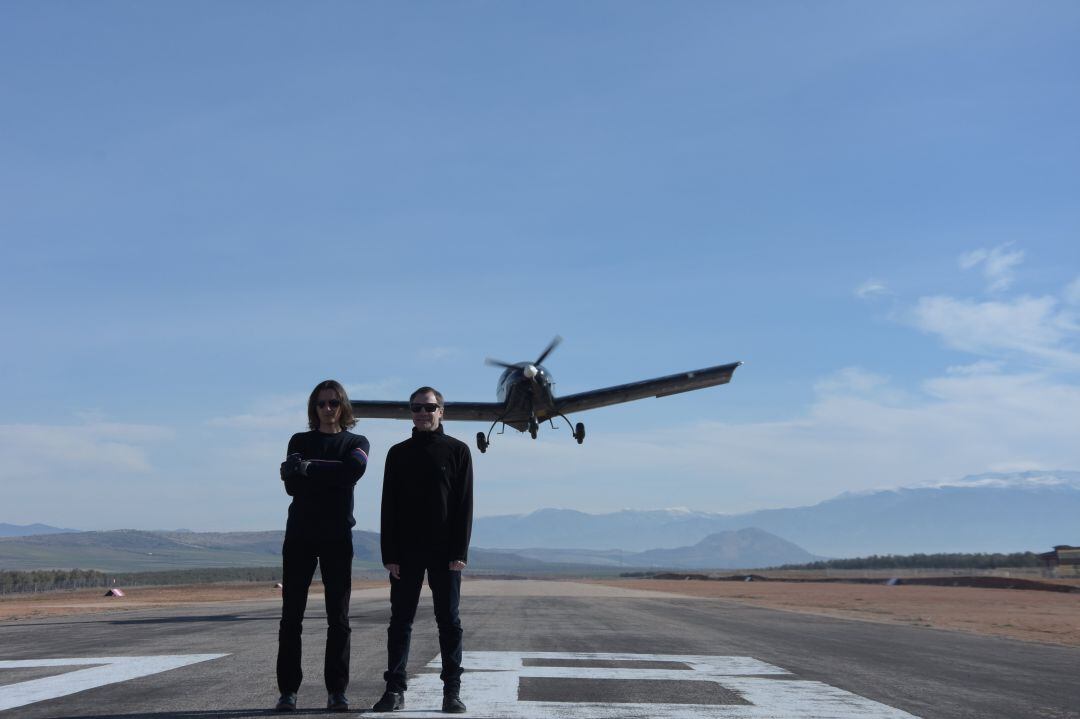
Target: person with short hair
[(426, 524), (322, 468)]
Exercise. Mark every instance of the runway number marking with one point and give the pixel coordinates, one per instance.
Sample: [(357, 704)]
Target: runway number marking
[(757, 690), (101, 671)]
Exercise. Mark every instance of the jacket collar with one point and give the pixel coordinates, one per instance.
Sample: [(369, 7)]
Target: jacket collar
[(427, 434)]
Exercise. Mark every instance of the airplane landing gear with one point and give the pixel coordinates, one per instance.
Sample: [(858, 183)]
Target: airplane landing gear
[(579, 429), (483, 441), (533, 428)]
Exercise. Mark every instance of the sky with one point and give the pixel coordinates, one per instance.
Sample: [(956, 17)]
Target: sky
[(207, 208)]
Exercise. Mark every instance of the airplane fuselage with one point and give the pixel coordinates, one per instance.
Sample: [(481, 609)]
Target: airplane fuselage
[(524, 396)]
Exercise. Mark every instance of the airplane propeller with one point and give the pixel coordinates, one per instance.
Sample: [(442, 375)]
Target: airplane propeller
[(543, 355), (529, 370)]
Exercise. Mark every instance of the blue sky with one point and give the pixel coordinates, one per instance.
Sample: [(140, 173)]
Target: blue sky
[(207, 208)]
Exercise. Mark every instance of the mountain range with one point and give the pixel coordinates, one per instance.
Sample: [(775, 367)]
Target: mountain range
[(1030, 511), (1026, 511), (739, 549), (131, 550)]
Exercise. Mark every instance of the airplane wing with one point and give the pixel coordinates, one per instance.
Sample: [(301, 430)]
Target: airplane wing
[(475, 411), (659, 387)]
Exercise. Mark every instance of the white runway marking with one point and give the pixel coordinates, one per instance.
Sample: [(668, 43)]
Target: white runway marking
[(102, 671), (491, 686)]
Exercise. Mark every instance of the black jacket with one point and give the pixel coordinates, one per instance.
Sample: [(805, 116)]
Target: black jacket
[(322, 504), (427, 499)]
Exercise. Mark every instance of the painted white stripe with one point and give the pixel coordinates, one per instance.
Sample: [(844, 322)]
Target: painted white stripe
[(103, 670), (720, 665), (490, 689)]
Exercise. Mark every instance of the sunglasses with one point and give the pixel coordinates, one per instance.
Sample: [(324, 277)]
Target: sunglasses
[(418, 408), (334, 404)]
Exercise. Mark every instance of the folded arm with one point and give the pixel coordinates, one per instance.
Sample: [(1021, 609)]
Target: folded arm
[(339, 473), (299, 473)]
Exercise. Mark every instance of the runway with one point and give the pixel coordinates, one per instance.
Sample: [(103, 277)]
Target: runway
[(536, 650)]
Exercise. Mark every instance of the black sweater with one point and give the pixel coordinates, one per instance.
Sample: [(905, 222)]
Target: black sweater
[(322, 504), (427, 500)]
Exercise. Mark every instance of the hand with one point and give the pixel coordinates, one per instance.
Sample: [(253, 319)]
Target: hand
[(394, 569), (293, 465), (456, 565), (288, 468)]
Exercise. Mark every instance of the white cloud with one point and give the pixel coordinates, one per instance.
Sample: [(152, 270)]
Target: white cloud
[(870, 289), (278, 412), (997, 265), (295, 419), (433, 354), (976, 368), (1071, 295), (1016, 465), (46, 451), (850, 380), (1031, 326), (1019, 475)]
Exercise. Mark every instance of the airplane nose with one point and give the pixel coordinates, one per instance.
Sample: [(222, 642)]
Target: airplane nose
[(530, 371)]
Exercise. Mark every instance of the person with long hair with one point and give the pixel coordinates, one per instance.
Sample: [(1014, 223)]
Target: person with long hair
[(320, 470)]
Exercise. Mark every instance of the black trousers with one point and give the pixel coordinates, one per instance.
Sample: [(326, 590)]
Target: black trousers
[(404, 596), (299, 558)]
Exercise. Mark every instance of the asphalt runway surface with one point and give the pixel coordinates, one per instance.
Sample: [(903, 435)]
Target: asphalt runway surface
[(536, 650)]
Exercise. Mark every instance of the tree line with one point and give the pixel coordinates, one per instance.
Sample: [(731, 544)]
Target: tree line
[(956, 560), (46, 580)]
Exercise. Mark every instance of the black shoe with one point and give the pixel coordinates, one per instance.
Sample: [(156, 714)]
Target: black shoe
[(452, 704), (390, 702), (286, 702), (337, 702)]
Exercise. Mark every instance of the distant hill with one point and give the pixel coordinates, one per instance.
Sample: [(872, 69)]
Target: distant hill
[(741, 549), (628, 530), (982, 513), (27, 530), (130, 550)]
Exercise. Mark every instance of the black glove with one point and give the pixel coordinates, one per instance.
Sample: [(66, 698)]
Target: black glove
[(294, 465)]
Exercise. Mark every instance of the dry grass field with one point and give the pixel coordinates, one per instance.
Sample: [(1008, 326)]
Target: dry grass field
[(90, 601), (1038, 616)]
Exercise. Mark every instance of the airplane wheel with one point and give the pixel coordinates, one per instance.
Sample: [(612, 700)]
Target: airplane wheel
[(579, 432), (481, 442), (533, 428)]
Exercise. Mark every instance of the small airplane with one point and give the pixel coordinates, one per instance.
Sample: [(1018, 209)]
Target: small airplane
[(525, 398)]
